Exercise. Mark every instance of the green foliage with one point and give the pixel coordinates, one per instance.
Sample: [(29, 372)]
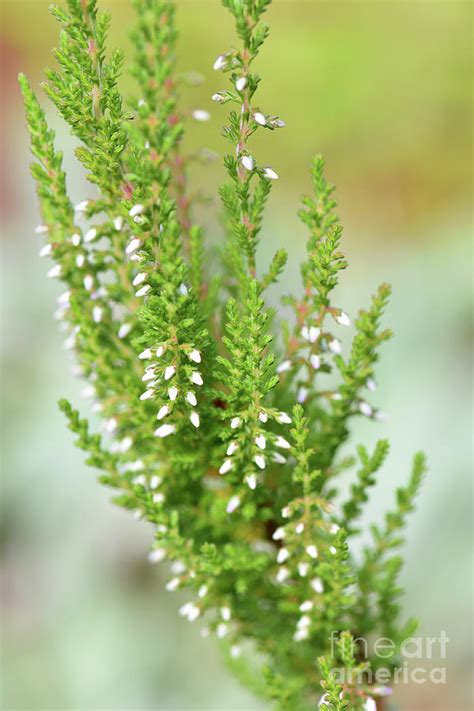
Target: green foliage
[(201, 433)]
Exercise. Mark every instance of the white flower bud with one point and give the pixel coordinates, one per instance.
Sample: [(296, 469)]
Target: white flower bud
[(226, 613), (143, 291), (343, 319), (315, 361), (136, 210), (226, 466), (251, 481), (97, 313), (285, 512), (371, 384), (279, 534), (220, 62), (301, 634), (303, 569), (165, 430), (221, 630), (284, 366), (159, 351), (299, 528), (231, 448), (304, 621), (118, 223), (365, 409), (195, 420), (233, 504), (157, 555), (260, 119), (170, 370), (235, 423), (195, 356), (81, 206), (202, 592), (148, 394), (235, 651), (270, 173), (173, 584), (369, 704), (263, 417), (132, 246), (335, 346), (155, 481), (196, 378), (306, 606), (283, 555), (283, 574), (124, 330), (162, 412), (191, 398), (282, 442), (312, 551), (54, 271), (46, 250), (260, 441), (283, 419), (241, 83), (80, 261), (259, 460), (90, 235), (173, 393), (302, 394), (139, 279), (41, 229), (201, 115), (218, 97), (146, 354), (317, 585), (247, 162)]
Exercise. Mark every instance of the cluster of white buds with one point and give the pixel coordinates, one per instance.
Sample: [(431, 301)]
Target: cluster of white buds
[(265, 445), (154, 371)]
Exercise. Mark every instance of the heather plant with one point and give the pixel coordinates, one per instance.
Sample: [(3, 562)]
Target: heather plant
[(222, 423)]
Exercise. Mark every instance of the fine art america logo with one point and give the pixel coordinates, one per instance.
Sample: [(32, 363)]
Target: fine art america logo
[(414, 658)]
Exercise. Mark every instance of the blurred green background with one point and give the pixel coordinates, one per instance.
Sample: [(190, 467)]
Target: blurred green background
[(383, 89)]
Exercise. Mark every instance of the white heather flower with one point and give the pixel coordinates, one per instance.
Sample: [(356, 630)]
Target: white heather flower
[(247, 162), (278, 123), (226, 466), (173, 584), (110, 425), (285, 512), (299, 528), (46, 250), (317, 585), (279, 534), (235, 423), (312, 551), (233, 504), (76, 239), (139, 279), (144, 290), (195, 356), (90, 235), (159, 351), (333, 528), (124, 330), (201, 115), (301, 634), (343, 319), (41, 229), (221, 630), (252, 481), (303, 569), (170, 370), (132, 246), (191, 398), (136, 210), (302, 394), (305, 333), (260, 119), (241, 83), (315, 361), (80, 261), (270, 173), (324, 700), (259, 460), (81, 206), (335, 346), (146, 354), (218, 97), (194, 417), (304, 621), (235, 651), (118, 223), (173, 393), (260, 441), (231, 448), (336, 396), (162, 412), (178, 567), (313, 334), (155, 481), (220, 62), (284, 366), (226, 613), (157, 555), (183, 290), (283, 419), (148, 394), (196, 378), (371, 384), (54, 271), (88, 391), (97, 313), (202, 592), (283, 555), (263, 417), (283, 574), (306, 606), (365, 409), (278, 458), (165, 430), (282, 442), (64, 298), (149, 374), (370, 704)]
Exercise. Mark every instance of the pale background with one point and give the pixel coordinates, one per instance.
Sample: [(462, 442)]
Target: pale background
[(382, 88)]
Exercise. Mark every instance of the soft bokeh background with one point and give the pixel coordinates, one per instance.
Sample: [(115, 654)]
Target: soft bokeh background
[(382, 88)]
